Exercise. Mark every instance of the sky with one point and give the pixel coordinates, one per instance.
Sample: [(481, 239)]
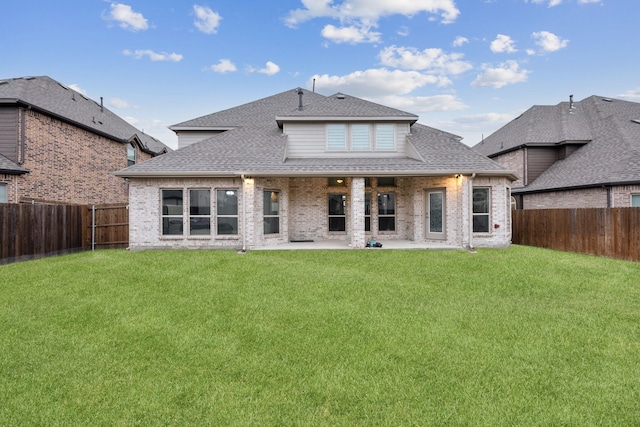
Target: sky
[(463, 66)]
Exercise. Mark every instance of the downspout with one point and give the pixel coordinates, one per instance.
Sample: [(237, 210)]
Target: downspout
[(470, 180), (244, 216)]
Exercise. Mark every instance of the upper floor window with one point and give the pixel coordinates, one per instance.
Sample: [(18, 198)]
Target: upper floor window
[(131, 154), (385, 138), (360, 137), (3, 193), (481, 210)]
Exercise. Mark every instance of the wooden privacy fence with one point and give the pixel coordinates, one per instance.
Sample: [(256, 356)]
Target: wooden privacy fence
[(37, 230), (610, 232)]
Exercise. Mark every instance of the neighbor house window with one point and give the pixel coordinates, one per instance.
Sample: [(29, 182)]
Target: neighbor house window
[(360, 139), (172, 212), (337, 212), (3, 193), (385, 139), (200, 212), (367, 211), (386, 212), (336, 137), (227, 212), (271, 212), (481, 211), (635, 200), (131, 154)]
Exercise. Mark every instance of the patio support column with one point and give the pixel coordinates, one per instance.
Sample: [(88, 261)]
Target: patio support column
[(248, 204), (357, 213)]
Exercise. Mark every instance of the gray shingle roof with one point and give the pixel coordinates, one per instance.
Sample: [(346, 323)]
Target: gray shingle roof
[(48, 95), (9, 167), (611, 155), (257, 146)]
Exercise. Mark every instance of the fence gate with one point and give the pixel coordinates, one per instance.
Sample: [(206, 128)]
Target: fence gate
[(109, 226)]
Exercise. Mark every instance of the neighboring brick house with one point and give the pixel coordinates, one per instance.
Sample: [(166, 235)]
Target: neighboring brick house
[(299, 166), (582, 154), (57, 145)]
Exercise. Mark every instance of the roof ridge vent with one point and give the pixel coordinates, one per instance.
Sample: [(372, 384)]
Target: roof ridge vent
[(607, 99), (340, 96)]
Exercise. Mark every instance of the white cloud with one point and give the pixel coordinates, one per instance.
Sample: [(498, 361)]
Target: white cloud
[(631, 95), (154, 56), (351, 35), (371, 10), (269, 69), (403, 31), (487, 118), (207, 20), (549, 42), (553, 3), (459, 41), (224, 66), (423, 104), (376, 83), (127, 18), (433, 59), (78, 89), (505, 74), (121, 103), (503, 44)]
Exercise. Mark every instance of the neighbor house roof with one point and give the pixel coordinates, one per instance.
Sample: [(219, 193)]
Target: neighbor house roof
[(53, 98), (10, 168), (256, 145), (608, 128)]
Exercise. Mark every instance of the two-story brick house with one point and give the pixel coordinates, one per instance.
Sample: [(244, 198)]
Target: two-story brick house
[(582, 154), (57, 145), (300, 166)]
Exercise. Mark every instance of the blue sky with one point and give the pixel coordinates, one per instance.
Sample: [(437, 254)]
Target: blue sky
[(465, 67)]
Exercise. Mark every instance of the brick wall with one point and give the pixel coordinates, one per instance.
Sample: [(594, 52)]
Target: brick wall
[(583, 198), (71, 165), (304, 211), (514, 161)]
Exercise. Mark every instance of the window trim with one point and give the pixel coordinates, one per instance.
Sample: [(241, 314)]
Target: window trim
[(330, 215), (378, 126), (386, 215), (478, 214), (634, 195), (265, 215), (190, 215), (164, 216), (236, 216), (374, 133), (333, 127)]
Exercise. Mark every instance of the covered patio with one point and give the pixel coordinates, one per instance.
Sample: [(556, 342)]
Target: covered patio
[(343, 245)]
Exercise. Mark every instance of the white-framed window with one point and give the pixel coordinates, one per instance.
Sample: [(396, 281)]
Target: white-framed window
[(385, 137), (172, 212), (336, 137), (337, 212), (4, 197), (635, 200), (360, 137), (199, 212), (227, 211), (131, 154), (481, 209), (386, 212), (271, 212)]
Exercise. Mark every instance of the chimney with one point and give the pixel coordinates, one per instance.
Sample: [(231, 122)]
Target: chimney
[(300, 93)]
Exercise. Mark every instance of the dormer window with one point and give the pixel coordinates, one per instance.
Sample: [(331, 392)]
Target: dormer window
[(360, 137), (131, 154)]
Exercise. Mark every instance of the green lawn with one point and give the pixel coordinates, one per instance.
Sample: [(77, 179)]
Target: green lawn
[(522, 336)]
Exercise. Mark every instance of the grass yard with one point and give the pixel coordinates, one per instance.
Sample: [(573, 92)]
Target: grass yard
[(522, 336)]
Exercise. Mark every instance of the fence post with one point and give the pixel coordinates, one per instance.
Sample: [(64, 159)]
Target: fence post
[(93, 227)]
